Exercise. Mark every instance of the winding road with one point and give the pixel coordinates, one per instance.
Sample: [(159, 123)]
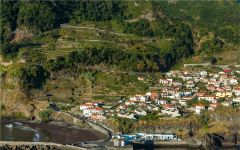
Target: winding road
[(101, 143)]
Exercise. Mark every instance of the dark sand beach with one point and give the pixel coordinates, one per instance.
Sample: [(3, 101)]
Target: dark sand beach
[(65, 134)]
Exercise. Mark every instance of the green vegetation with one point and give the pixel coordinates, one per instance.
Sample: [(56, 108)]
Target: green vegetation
[(109, 45), (14, 115), (211, 46), (204, 119), (195, 102), (150, 117), (113, 41), (38, 16), (9, 13), (98, 10), (45, 115), (136, 8), (9, 50), (219, 17), (2, 108), (140, 27), (123, 125), (33, 76), (46, 15), (124, 60)]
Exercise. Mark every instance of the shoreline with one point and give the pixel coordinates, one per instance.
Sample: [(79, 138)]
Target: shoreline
[(62, 133)]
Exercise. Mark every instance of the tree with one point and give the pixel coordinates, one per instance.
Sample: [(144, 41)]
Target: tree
[(9, 50), (213, 60), (140, 27), (204, 119), (9, 14), (37, 16), (141, 66), (98, 10), (45, 115), (33, 76)]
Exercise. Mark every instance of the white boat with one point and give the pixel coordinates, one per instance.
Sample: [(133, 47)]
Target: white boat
[(9, 125)]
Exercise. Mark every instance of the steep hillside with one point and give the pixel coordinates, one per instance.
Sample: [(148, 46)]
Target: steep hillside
[(70, 51), (215, 26)]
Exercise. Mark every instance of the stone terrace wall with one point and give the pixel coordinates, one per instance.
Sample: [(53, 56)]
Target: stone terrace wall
[(6, 145)]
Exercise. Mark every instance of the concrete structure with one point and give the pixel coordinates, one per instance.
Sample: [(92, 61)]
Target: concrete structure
[(36, 145), (173, 112)]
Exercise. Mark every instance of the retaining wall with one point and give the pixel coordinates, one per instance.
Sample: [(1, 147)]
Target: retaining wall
[(97, 127), (8, 145)]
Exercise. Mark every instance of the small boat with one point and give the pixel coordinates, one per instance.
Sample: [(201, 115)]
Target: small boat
[(9, 125)]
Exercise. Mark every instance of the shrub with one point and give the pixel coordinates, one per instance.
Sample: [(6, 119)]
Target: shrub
[(46, 115), (14, 115), (9, 50)]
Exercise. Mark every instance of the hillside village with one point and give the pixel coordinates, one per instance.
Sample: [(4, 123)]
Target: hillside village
[(180, 93), (137, 71)]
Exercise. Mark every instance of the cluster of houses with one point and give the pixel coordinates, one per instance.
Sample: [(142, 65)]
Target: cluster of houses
[(93, 110), (217, 89), (191, 90)]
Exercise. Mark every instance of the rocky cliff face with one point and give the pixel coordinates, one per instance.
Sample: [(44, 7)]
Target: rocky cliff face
[(15, 103)]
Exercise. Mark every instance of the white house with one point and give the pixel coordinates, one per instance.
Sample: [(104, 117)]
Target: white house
[(118, 142), (185, 93), (127, 115), (86, 106), (236, 91), (89, 111), (97, 117), (168, 81), (133, 98), (161, 102), (203, 73), (130, 102), (143, 98), (209, 98), (160, 137), (233, 81), (226, 103), (140, 112), (199, 108), (173, 112), (182, 102), (237, 99)]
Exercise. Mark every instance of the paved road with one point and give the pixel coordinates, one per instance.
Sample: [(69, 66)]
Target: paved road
[(101, 143)]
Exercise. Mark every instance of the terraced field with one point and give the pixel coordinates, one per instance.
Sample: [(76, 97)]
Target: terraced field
[(79, 37)]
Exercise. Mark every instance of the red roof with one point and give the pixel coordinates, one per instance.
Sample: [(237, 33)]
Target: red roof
[(167, 106), (86, 104), (227, 70), (214, 104), (96, 108)]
